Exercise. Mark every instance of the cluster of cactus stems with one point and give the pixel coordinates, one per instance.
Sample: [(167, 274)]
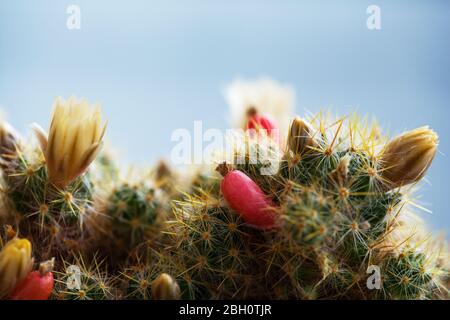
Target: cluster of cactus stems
[(336, 206)]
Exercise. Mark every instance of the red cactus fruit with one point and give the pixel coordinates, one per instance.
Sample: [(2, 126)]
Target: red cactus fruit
[(261, 122), (38, 285), (246, 197)]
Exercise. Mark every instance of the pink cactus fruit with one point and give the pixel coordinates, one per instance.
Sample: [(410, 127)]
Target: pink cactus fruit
[(245, 197)]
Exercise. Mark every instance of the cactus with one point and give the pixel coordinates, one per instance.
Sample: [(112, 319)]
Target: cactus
[(211, 249), (50, 197), (346, 208), (135, 213), (304, 213), (338, 206)]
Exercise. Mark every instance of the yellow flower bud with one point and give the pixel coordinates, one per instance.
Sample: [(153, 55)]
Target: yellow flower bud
[(300, 139), (406, 158), (75, 138), (15, 264), (165, 288)]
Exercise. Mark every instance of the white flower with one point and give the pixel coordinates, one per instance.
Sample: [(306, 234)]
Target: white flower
[(264, 95)]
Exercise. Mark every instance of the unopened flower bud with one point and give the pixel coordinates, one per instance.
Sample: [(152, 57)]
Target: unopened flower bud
[(300, 139), (165, 288), (406, 158), (15, 264), (75, 138)]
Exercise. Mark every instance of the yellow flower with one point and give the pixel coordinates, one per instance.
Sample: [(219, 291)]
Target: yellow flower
[(165, 288), (15, 264), (75, 138), (406, 158)]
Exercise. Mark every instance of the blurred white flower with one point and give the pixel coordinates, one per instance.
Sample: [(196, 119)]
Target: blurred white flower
[(265, 95)]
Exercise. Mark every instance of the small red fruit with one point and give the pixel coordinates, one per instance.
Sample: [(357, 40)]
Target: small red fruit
[(261, 122), (38, 285), (246, 197)]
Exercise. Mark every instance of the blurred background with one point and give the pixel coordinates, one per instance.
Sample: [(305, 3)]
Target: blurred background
[(160, 65)]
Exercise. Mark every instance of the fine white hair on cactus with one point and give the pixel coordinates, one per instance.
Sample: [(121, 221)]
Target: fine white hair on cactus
[(265, 95)]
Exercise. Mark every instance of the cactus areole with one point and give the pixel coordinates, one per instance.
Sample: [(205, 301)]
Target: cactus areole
[(244, 196)]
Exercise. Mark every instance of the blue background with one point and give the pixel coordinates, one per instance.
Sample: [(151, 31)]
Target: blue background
[(159, 65)]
